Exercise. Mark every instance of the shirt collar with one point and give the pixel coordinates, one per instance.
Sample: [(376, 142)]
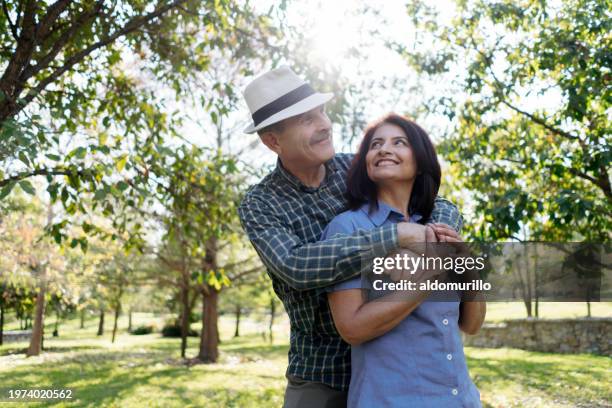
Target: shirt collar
[(384, 212), (330, 167)]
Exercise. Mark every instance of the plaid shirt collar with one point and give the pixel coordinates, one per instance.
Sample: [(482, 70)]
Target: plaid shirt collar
[(285, 176)]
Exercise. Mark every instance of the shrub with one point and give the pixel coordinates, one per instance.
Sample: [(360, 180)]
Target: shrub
[(143, 330), (173, 329)]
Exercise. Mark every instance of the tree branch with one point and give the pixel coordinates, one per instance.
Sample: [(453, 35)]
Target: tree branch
[(39, 172), (245, 273), (540, 121), (129, 27), (9, 83), (60, 43), (51, 15), (12, 26), (500, 85)]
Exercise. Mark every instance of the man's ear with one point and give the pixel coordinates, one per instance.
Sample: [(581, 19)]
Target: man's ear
[(270, 139)]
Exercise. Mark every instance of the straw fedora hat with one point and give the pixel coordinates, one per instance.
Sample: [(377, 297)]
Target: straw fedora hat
[(279, 94)]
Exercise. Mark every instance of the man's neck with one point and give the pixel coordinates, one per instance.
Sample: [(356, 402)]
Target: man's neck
[(310, 176), (397, 195)]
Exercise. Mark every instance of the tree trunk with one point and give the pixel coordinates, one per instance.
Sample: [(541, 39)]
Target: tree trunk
[(101, 323), (117, 312), (1, 323), (56, 328), (238, 312), (588, 309), (82, 325), (37, 330), (525, 284), (272, 313), (184, 318), (537, 282), (528, 307), (130, 320), (209, 337)]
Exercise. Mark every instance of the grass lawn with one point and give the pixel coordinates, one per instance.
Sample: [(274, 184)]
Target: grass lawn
[(147, 371)]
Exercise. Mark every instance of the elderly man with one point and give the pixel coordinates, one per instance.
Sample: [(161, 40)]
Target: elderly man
[(284, 216)]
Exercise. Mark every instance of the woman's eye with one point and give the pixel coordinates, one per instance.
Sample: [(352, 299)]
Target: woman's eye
[(401, 141)]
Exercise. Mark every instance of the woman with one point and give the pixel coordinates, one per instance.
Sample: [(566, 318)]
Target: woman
[(405, 353)]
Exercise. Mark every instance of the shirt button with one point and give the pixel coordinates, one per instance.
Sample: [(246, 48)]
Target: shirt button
[(445, 322), (454, 391), (449, 356)]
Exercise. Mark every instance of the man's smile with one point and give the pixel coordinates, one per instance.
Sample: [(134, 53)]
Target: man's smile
[(320, 139)]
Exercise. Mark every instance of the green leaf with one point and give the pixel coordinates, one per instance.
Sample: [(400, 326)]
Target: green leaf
[(100, 194), (84, 244), (121, 162), (6, 190), (24, 158), (122, 185), (27, 187), (79, 153), (53, 157)]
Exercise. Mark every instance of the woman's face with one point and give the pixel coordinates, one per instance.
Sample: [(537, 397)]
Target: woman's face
[(390, 157)]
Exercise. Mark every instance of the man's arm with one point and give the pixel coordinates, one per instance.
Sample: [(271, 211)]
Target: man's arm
[(445, 212), (313, 265), (319, 264)]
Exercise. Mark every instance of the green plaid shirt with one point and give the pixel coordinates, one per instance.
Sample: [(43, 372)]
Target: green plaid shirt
[(284, 220)]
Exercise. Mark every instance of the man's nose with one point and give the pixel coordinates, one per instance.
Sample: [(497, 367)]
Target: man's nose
[(323, 120)]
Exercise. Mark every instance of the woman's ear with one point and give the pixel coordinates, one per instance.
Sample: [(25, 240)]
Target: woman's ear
[(270, 139)]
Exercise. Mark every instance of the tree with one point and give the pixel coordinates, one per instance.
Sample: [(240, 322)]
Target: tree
[(203, 194), (80, 100), (527, 163), (117, 272), (36, 261)]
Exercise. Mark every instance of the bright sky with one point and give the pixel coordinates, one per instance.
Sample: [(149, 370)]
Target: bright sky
[(333, 27)]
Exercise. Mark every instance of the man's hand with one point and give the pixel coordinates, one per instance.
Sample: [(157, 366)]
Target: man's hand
[(445, 233), (419, 249), (409, 234)]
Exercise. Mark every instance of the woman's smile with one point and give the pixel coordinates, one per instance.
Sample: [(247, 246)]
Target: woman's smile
[(386, 162)]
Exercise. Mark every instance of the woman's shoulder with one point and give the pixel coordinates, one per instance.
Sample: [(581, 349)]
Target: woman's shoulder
[(343, 223)]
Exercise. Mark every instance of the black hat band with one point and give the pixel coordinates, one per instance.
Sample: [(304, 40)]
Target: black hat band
[(282, 103)]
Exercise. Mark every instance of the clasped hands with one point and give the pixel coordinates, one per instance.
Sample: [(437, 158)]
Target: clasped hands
[(421, 241)]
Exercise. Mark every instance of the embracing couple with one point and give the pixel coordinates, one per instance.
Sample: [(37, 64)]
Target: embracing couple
[(313, 221)]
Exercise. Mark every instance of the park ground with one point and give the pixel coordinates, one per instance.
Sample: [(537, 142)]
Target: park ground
[(146, 371)]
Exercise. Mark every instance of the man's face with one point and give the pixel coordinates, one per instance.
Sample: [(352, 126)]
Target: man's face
[(306, 139)]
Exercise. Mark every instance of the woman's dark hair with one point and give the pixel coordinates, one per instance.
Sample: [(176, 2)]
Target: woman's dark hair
[(361, 189)]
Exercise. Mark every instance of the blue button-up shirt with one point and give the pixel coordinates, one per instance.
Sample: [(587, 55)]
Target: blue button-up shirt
[(420, 362)]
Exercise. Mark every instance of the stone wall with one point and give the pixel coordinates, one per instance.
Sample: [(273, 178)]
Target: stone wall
[(584, 335), (16, 335)]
